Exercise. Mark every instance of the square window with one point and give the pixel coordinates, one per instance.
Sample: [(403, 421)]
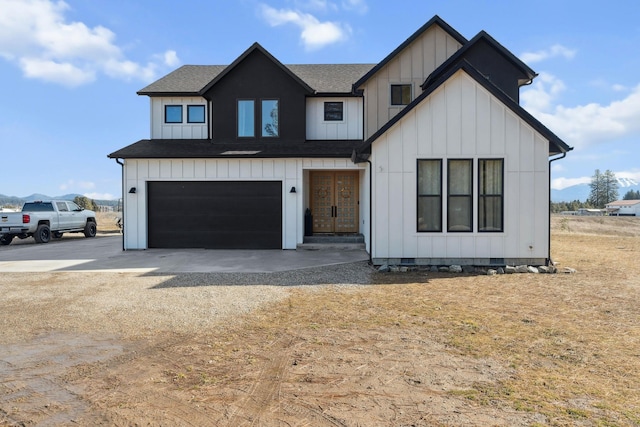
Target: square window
[(333, 111), (270, 118), (173, 113), (195, 113), (401, 94), (246, 118)]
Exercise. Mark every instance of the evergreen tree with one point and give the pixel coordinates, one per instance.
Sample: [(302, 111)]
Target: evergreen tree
[(604, 189), (632, 195)]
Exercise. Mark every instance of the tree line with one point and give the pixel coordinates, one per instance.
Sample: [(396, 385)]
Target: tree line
[(603, 190)]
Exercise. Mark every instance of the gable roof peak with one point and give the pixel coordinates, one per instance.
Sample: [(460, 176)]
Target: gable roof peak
[(436, 20), (255, 47)]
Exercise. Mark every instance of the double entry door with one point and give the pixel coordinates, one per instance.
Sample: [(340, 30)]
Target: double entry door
[(335, 201)]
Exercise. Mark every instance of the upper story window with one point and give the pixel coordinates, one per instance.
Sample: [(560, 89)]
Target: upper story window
[(401, 94), (173, 113), (195, 114), (269, 123), (246, 118), (333, 111)]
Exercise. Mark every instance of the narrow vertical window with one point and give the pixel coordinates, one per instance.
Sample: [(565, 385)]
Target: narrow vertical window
[(490, 195), (195, 113), (173, 113), (400, 94), (246, 118), (460, 195), (429, 195), (270, 118)]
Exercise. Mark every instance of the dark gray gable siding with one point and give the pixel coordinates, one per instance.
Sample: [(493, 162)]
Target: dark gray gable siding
[(258, 77)]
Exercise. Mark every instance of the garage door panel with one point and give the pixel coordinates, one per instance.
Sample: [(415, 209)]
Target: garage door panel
[(218, 215)]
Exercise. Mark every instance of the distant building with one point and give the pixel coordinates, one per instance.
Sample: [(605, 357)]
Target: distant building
[(624, 208), (591, 212)]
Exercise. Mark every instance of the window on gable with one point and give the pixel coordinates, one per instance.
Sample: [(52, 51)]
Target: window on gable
[(246, 118), (195, 113), (270, 118), (429, 195), (460, 195), (401, 94), (490, 194), (173, 113), (333, 111)]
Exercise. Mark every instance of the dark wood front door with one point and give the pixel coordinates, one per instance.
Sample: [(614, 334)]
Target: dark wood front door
[(335, 201)]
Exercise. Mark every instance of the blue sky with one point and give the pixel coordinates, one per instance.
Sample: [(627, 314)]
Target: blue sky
[(69, 71)]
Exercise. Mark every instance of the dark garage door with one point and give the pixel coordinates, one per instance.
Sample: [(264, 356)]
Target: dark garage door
[(215, 215)]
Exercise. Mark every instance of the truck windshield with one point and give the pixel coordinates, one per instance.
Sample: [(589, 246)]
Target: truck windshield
[(37, 207)]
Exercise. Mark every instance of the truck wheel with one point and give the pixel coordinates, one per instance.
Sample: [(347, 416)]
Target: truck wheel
[(6, 239), (57, 234), (42, 234), (90, 229)]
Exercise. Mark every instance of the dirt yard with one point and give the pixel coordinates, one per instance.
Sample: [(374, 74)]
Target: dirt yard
[(410, 349)]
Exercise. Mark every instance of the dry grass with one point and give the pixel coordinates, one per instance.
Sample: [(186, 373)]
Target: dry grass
[(570, 343), (107, 222)]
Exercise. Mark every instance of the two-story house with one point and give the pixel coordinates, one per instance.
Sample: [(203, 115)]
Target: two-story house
[(428, 155)]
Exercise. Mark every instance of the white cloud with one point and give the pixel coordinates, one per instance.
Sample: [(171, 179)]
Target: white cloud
[(314, 34), (36, 35), (553, 52), (582, 125), (562, 183), (359, 6)]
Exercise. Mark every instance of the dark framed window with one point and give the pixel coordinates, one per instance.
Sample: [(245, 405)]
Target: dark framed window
[(490, 195), (333, 111), (400, 94), (246, 118), (429, 195), (460, 195), (173, 113), (269, 124), (195, 113)]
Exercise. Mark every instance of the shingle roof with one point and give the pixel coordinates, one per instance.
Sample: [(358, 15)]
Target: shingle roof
[(623, 203), (206, 148), (323, 78)]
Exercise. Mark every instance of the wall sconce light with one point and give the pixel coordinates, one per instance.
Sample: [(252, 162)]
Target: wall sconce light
[(132, 190), (293, 190)]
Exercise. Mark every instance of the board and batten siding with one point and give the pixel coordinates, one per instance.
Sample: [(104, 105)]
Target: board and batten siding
[(413, 65), (184, 130), (461, 120), (349, 128), (291, 172)]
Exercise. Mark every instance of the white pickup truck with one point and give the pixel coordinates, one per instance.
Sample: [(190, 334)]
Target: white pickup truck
[(43, 219)]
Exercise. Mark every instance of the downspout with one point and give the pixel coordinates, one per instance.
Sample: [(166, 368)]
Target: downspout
[(549, 261), (123, 198)]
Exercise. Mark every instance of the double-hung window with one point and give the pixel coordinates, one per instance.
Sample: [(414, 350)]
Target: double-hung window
[(429, 195), (460, 195), (490, 194)]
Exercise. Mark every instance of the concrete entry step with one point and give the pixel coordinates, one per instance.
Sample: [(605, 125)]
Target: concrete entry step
[(333, 242)]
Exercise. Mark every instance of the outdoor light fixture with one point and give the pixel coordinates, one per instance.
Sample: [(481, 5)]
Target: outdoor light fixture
[(293, 190), (132, 190)]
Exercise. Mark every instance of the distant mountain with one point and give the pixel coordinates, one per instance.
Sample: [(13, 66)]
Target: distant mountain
[(19, 201), (581, 191)]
